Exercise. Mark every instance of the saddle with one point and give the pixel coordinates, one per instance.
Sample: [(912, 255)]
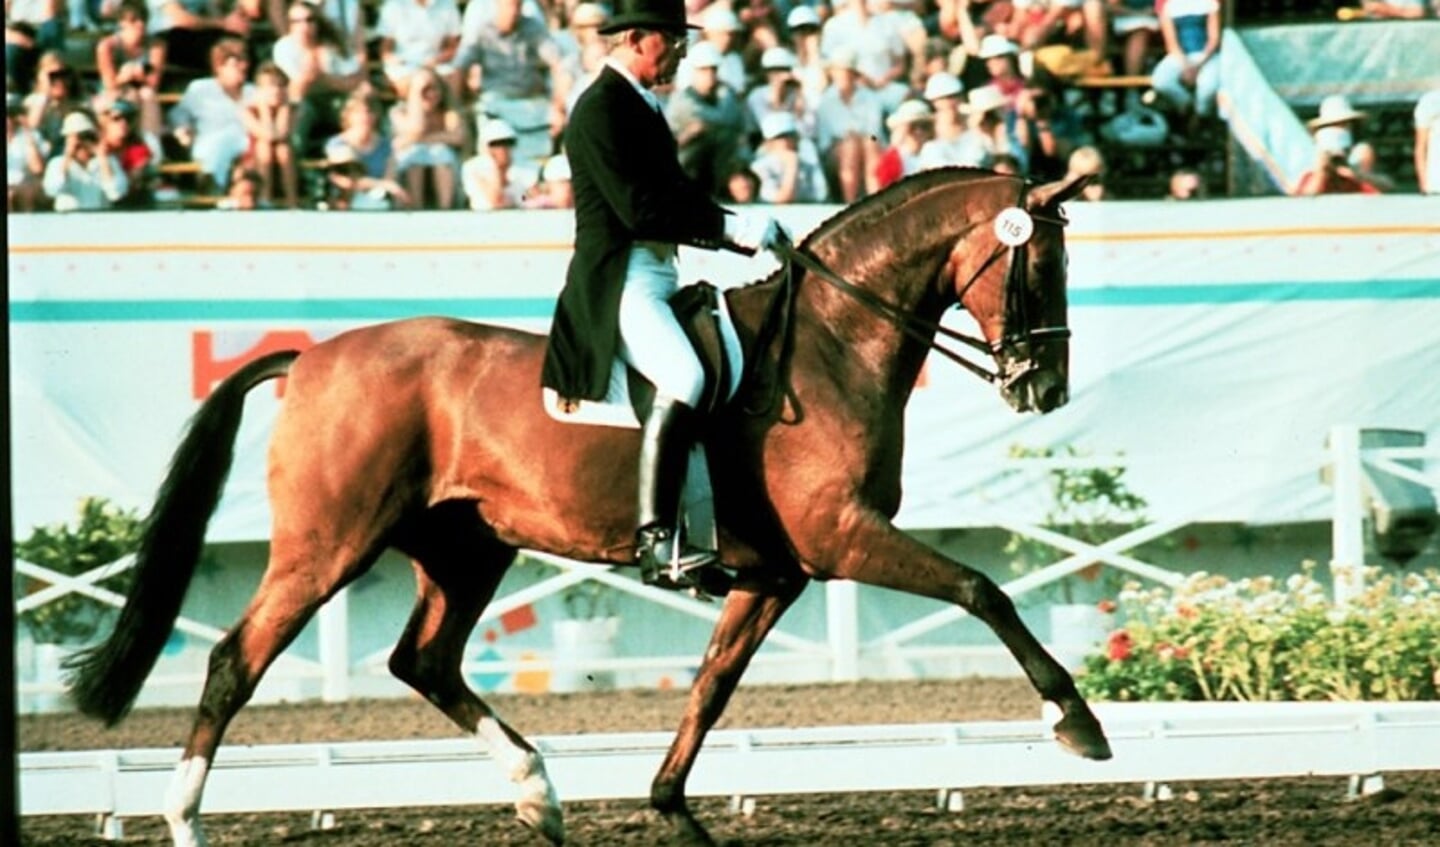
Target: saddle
[(702, 314)]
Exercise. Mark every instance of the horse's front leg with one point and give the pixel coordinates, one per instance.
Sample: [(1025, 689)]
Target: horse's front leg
[(862, 545), (751, 610)]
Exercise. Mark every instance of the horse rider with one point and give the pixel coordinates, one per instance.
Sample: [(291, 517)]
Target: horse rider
[(633, 206)]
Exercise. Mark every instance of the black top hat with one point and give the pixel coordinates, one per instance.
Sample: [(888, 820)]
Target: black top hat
[(660, 15)]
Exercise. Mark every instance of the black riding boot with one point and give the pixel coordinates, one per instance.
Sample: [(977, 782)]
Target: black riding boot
[(665, 442)]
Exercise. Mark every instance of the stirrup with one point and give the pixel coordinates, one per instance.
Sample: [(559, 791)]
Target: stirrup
[(690, 569)]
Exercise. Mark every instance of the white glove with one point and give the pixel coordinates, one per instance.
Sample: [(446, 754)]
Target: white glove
[(754, 231)]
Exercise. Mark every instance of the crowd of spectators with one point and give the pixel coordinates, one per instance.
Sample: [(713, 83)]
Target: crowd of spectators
[(376, 104)]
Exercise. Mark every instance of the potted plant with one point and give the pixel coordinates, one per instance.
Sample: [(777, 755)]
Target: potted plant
[(101, 534), (585, 635), (1089, 504)]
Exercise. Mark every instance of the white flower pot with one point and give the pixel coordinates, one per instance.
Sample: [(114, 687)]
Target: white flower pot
[(1077, 630), (578, 644)]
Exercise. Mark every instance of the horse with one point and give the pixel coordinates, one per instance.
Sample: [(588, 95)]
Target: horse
[(428, 436)]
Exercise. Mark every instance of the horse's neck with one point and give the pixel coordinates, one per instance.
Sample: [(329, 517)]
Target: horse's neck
[(900, 262)]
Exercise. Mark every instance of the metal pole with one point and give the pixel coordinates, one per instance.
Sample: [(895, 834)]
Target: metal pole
[(1347, 538), (842, 617), (335, 648)]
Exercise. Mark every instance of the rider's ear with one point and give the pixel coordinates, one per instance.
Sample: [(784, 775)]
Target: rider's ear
[(1055, 193)]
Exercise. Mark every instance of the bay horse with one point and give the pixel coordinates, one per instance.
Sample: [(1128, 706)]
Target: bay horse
[(428, 436)]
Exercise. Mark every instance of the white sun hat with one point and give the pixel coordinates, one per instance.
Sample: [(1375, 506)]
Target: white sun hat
[(943, 84), (496, 131)]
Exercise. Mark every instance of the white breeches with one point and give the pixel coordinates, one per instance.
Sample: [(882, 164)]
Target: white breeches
[(651, 340)]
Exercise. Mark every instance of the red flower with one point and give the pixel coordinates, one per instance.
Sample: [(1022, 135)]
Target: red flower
[(1106, 606), (1119, 645), (1187, 611)]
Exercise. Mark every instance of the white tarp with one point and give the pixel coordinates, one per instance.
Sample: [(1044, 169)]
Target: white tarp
[(1215, 344)]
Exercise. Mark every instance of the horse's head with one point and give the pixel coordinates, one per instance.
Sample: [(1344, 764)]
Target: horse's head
[(1009, 273)]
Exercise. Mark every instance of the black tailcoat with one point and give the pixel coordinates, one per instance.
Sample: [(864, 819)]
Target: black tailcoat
[(628, 187)]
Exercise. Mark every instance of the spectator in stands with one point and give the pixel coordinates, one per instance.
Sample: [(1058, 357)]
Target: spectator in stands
[(586, 55), (316, 58), (804, 26), (419, 35), (983, 139), (1366, 164), (371, 185), (269, 122), (57, 94), (1075, 23), (428, 137), (1188, 77), (243, 193), (1388, 9), (1333, 131), (1185, 184), (555, 190), (82, 177), (1002, 64), (848, 123), (1134, 24), (516, 69), (708, 120), (25, 153), (209, 120), (1087, 161), (880, 45), (787, 168), (944, 93), (721, 28), (1034, 126), (131, 58), (762, 22), (1004, 163), (32, 29), (1427, 142), (743, 185), (192, 28), (345, 17), (911, 126), (781, 91), (491, 178), (120, 137)]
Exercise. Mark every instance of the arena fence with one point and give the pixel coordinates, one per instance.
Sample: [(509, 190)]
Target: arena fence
[(1352, 463), (1154, 744)]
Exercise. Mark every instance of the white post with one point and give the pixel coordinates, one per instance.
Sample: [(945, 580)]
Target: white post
[(1347, 533), (842, 618), (335, 648)]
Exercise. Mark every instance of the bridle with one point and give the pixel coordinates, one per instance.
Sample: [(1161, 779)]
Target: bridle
[(1014, 347)]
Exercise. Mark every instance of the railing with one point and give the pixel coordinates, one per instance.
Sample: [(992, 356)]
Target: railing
[(842, 648), (1154, 743)]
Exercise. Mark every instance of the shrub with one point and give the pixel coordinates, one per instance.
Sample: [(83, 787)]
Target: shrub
[(102, 534), (1256, 639)]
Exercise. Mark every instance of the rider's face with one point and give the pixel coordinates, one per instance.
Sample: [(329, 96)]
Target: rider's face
[(661, 53)]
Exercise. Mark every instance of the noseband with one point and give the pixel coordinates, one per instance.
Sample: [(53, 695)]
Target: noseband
[(1012, 350)]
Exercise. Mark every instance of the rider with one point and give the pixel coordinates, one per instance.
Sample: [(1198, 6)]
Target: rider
[(633, 205)]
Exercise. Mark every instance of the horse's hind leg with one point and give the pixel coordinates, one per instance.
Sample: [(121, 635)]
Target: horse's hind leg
[(751, 610), (297, 582), (456, 578), (871, 550)]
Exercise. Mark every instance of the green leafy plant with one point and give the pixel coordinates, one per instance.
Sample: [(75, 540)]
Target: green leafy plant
[(1260, 639), (1089, 504), (101, 534)]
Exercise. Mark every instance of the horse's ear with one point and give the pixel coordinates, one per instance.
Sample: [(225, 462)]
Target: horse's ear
[(1052, 194)]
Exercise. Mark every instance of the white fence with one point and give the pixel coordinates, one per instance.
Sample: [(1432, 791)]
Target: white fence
[(842, 649), (1153, 744)]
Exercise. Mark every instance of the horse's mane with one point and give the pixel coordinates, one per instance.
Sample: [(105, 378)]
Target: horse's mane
[(892, 198)]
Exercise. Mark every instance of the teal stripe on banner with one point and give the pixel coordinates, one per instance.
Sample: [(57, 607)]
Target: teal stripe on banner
[(489, 308), (1256, 292), (540, 308)]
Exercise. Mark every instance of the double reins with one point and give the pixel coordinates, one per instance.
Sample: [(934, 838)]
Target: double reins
[(1018, 330)]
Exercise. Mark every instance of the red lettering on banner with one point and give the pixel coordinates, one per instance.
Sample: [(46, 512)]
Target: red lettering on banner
[(207, 371)]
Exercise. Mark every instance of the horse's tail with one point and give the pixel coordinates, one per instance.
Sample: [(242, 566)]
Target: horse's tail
[(104, 680)]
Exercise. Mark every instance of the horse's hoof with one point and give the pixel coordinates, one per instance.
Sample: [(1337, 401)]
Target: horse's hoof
[(1081, 734), (547, 820)]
